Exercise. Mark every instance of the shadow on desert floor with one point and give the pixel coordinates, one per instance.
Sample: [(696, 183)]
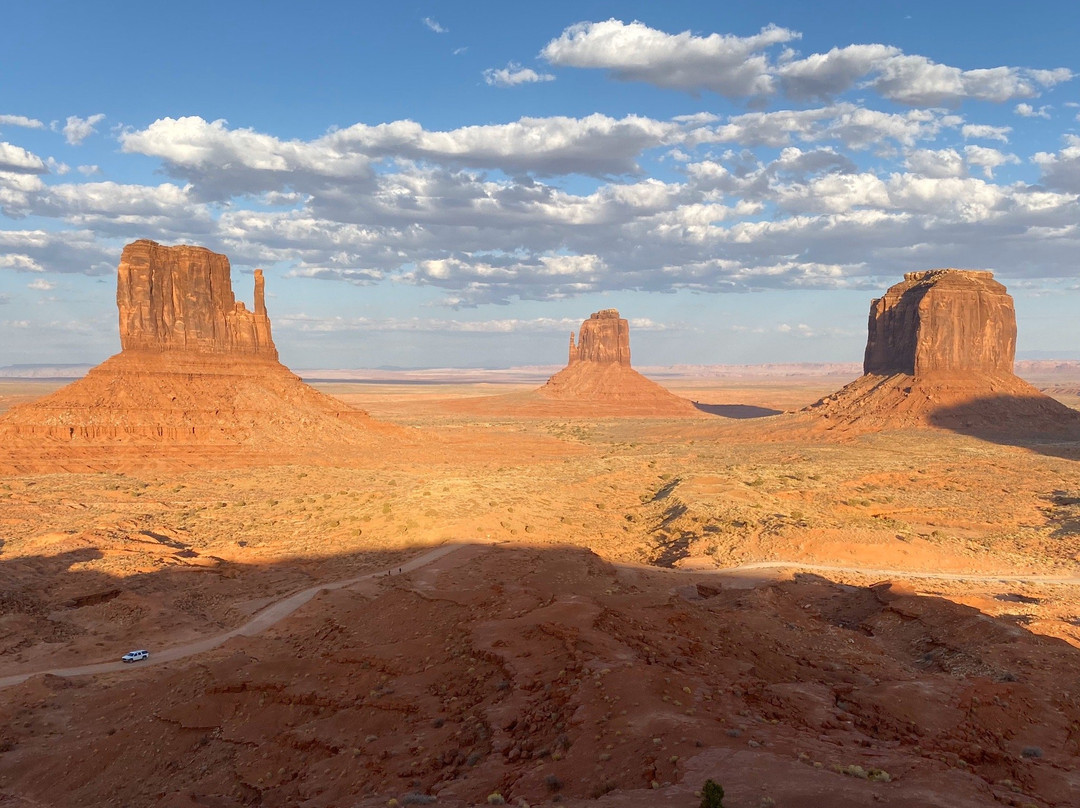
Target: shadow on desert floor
[(736, 411), (542, 671), (1041, 425)]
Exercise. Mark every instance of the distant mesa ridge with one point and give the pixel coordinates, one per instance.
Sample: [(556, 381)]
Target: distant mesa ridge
[(940, 350)]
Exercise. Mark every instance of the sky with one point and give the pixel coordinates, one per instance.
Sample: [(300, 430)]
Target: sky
[(460, 184)]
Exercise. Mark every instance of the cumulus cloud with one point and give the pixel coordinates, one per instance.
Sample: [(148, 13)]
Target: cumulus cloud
[(728, 65), (1028, 111), (21, 120), (41, 285), (743, 67), (988, 159), (19, 161), (985, 132), (224, 162), (1061, 170), (77, 129), (434, 26), (514, 74)]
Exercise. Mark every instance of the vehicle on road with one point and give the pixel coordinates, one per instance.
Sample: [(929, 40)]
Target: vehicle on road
[(135, 656)]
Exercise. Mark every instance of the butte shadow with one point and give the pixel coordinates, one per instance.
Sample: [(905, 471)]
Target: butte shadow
[(197, 375)]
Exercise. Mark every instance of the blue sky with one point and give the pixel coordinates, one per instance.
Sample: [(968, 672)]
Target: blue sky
[(460, 184)]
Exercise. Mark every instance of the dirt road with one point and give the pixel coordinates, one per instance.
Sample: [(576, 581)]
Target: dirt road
[(272, 614)]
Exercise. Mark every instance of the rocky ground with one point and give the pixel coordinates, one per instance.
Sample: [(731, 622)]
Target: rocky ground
[(595, 655)]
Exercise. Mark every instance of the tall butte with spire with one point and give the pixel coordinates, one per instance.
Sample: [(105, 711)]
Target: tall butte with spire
[(196, 368), (939, 352), (598, 376)]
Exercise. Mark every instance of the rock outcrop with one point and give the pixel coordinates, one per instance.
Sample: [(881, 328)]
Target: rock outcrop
[(943, 322), (940, 352), (181, 299), (604, 338), (196, 369), (598, 378)]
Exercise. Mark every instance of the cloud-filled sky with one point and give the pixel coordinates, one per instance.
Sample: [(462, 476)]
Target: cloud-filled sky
[(460, 184)]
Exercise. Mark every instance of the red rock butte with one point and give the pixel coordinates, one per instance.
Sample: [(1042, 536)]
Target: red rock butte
[(196, 369), (181, 299), (598, 376), (939, 352)]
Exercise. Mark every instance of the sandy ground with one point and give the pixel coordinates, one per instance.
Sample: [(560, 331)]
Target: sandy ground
[(963, 691)]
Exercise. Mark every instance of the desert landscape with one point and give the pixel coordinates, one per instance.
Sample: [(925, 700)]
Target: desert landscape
[(504, 588)]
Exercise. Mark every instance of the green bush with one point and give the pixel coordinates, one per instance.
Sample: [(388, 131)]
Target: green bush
[(712, 795)]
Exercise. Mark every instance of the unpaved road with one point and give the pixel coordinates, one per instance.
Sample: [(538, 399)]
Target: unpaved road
[(272, 614), (278, 611)]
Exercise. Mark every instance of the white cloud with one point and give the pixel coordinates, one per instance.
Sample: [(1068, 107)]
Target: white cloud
[(41, 285), (988, 159), (89, 170), (825, 75), (1061, 171), (514, 74), (986, 132), (21, 120), (742, 67), (918, 81), (728, 65), (459, 51), (18, 160), (434, 26), (223, 162), (77, 129), (936, 163), (1028, 111)]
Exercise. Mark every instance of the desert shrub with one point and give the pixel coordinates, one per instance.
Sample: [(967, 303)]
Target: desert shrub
[(712, 795)]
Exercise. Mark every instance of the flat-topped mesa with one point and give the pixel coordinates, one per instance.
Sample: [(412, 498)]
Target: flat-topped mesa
[(181, 299), (942, 322), (604, 337)]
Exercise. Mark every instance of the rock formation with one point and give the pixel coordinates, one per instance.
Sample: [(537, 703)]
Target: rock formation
[(598, 377), (196, 369), (181, 298), (604, 337), (942, 321), (939, 352)]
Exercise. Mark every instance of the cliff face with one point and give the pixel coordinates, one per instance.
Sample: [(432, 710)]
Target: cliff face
[(181, 299), (604, 337), (942, 322)]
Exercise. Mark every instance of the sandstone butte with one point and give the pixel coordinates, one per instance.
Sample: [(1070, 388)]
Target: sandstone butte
[(196, 369), (939, 352), (598, 375)]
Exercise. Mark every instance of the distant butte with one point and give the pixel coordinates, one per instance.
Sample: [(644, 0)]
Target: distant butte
[(598, 373), (939, 352), (196, 369)]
